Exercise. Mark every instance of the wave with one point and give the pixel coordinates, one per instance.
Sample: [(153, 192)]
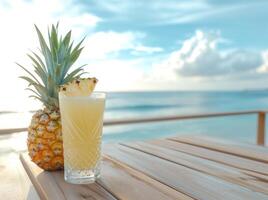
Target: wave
[(142, 107)]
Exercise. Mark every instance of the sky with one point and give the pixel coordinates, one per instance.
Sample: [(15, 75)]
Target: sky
[(143, 44)]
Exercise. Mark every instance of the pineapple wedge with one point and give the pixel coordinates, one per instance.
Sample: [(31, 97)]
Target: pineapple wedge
[(79, 87)]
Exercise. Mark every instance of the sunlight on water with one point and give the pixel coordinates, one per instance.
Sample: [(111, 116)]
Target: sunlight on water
[(146, 104)]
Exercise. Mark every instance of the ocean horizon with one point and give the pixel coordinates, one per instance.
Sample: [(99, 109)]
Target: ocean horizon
[(122, 105)]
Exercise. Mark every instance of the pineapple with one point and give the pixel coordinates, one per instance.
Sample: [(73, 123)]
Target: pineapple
[(51, 70), (79, 87)]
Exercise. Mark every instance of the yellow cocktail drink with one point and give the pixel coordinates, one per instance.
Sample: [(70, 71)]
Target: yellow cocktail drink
[(82, 122)]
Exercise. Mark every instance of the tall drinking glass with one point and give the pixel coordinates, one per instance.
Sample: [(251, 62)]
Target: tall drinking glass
[(82, 122)]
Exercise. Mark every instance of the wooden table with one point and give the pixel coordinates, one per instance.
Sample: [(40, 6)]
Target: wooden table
[(187, 168)]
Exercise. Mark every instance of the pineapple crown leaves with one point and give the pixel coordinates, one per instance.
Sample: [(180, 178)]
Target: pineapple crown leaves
[(52, 67)]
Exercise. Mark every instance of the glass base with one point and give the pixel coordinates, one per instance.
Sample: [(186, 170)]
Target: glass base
[(81, 176)]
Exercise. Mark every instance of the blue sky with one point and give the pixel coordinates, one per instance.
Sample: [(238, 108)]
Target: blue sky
[(165, 22), (146, 44)]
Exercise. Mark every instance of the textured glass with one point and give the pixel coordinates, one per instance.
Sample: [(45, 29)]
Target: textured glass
[(82, 122)]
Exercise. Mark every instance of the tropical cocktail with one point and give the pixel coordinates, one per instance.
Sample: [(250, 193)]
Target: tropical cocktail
[(82, 122)]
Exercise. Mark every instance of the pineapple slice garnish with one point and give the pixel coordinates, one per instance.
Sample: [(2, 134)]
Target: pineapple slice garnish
[(79, 87)]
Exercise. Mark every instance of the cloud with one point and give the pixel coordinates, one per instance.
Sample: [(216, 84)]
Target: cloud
[(200, 57), (140, 49), (264, 67), (199, 62), (101, 45), (117, 74)]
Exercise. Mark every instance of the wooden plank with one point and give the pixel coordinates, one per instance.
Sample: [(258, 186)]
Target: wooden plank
[(121, 181), (228, 159), (190, 182), (127, 183), (251, 146), (261, 128), (51, 185), (221, 171), (241, 151), (80, 192)]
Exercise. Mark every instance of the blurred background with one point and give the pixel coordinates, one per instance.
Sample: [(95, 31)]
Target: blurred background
[(153, 58)]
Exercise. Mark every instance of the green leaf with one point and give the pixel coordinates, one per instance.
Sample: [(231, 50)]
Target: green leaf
[(29, 73), (67, 38), (45, 51), (36, 97), (40, 62), (36, 62), (79, 75), (74, 73), (57, 74), (54, 38), (53, 41), (79, 44), (75, 55), (70, 48), (29, 80), (33, 91), (39, 71)]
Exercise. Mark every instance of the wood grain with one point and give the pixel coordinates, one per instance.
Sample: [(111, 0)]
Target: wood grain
[(221, 171), (228, 159), (117, 182), (190, 182), (127, 183), (261, 128), (252, 146), (164, 170), (51, 185), (245, 152)]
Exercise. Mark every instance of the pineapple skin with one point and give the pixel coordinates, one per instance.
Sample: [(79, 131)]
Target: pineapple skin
[(44, 140)]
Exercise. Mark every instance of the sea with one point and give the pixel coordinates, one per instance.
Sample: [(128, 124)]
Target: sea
[(123, 105)]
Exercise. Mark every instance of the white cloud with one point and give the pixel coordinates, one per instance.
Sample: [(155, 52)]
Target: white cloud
[(200, 57), (145, 49), (101, 45), (264, 67), (117, 75)]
